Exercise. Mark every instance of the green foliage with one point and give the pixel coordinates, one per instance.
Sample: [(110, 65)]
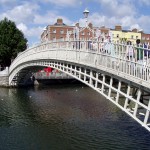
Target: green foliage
[(12, 41)]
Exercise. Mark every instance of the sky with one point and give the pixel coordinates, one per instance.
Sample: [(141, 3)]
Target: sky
[(32, 16)]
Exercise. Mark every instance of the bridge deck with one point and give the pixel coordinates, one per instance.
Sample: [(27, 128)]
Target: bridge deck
[(99, 65)]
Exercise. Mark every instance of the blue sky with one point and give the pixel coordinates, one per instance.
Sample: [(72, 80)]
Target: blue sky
[(31, 16)]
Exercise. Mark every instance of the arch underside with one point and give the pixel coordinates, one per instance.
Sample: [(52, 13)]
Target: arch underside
[(128, 96)]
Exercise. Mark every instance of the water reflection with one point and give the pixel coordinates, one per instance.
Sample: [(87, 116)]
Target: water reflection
[(65, 117)]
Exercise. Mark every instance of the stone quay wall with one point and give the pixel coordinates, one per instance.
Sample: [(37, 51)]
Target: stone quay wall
[(4, 78), (4, 81)]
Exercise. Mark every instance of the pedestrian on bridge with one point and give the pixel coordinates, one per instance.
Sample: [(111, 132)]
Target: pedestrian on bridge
[(130, 52)]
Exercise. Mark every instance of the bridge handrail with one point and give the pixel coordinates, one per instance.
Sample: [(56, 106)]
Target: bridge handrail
[(117, 52)]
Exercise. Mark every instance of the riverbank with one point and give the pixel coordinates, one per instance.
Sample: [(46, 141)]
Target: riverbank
[(57, 81), (4, 78), (4, 81)]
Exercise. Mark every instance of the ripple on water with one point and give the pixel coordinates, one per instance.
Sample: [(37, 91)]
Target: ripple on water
[(58, 117)]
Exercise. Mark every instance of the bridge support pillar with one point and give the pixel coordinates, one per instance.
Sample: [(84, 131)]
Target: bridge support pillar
[(96, 80), (85, 75), (80, 73), (103, 83), (110, 87), (71, 69), (136, 105), (75, 71), (91, 75), (118, 91), (147, 113), (127, 97)]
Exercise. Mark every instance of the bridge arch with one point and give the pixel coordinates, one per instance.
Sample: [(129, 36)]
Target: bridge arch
[(96, 69), (124, 95)]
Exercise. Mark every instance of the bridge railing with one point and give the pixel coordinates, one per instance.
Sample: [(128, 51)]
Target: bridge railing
[(128, 59)]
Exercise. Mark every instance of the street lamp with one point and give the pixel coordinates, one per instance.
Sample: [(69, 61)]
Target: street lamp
[(86, 13), (77, 30)]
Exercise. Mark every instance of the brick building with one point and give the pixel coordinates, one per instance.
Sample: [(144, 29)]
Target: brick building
[(145, 38), (56, 31), (60, 31)]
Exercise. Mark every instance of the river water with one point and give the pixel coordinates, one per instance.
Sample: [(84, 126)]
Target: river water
[(65, 117)]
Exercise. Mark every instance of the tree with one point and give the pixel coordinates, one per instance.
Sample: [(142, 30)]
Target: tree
[(12, 41)]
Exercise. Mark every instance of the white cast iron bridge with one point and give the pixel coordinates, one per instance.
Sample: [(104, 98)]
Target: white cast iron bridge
[(104, 67)]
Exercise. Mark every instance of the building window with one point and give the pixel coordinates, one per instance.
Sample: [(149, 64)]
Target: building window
[(148, 38), (136, 37), (82, 33), (54, 31), (61, 38), (61, 31), (132, 36), (103, 33), (117, 35), (54, 38), (143, 38), (88, 33)]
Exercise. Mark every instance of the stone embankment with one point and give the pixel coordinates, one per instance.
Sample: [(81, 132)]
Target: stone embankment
[(4, 79)]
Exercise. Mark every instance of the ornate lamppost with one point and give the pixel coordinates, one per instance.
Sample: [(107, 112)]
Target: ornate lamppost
[(77, 30), (86, 13)]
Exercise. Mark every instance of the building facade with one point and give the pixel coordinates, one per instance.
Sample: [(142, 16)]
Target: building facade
[(57, 31), (120, 35), (145, 38), (61, 31)]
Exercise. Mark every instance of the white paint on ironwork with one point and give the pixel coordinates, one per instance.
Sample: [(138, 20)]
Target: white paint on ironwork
[(68, 57)]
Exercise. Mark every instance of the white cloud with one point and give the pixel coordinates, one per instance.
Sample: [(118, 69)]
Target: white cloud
[(31, 16), (117, 8), (22, 27), (33, 33), (144, 21), (30, 20), (50, 18), (21, 13), (144, 2), (98, 20), (118, 12), (135, 26), (7, 1), (7, 4), (30, 32), (127, 21), (28, 13), (64, 3)]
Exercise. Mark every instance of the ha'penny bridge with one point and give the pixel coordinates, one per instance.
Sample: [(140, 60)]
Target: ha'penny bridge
[(104, 67)]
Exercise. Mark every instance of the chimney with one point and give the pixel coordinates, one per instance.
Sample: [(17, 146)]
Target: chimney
[(102, 26), (118, 28), (59, 21), (134, 30), (77, 24), (90, 25)]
